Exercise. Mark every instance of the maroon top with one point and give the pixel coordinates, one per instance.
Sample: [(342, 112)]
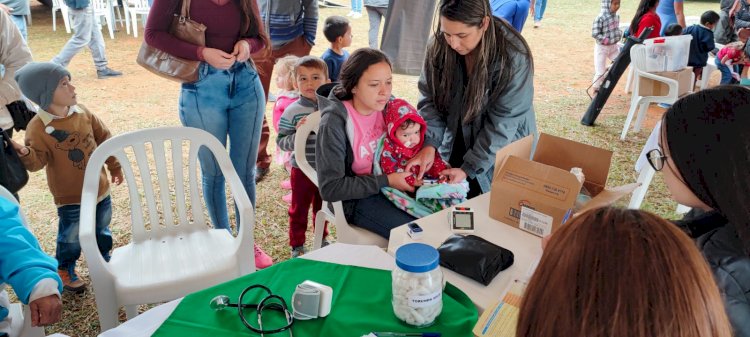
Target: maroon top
[(223, 22)]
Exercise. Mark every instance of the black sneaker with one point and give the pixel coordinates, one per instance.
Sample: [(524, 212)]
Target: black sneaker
[(260, 173), (107, 73)]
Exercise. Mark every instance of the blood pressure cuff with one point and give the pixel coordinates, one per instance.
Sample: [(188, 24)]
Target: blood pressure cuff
[(474, 257)]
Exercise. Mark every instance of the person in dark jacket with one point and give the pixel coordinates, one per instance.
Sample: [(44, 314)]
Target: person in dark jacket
[(475, 96), (702, 42), (351, 124), (703, 155)]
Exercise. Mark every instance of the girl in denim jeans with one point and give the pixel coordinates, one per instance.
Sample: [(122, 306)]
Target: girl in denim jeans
[(227, 100)]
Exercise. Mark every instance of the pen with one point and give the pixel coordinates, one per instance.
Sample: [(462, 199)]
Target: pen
[(408, 334)]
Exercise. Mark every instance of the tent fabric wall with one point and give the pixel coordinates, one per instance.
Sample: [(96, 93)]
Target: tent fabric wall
[(408, 27)]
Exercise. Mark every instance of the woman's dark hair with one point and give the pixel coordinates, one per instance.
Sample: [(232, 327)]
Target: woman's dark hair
[(708, 139), (643, 8), (354, 67), (252, 25), (622, 273), (496, 45)]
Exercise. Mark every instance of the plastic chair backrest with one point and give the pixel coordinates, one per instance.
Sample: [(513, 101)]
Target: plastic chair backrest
[(638, 57), (312, 122), (154, 204)]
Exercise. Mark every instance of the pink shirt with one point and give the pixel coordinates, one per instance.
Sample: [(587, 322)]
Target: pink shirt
[(366, 132)]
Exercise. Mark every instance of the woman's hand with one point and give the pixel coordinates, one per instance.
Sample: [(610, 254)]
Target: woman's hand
[(241, 51), (398, 181), (218, 58), (454, 175), (424, 159), (46, 310)]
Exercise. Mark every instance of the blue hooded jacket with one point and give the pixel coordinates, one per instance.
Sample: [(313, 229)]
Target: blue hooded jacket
[(22, 263)]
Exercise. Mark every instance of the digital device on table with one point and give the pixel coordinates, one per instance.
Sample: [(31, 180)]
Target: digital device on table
[(461, 220), (415, 232)]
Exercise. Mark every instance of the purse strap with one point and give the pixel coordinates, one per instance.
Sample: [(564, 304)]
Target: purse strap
[(184, 11)]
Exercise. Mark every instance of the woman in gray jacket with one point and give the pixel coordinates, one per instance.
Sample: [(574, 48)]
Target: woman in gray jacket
[(351, 124), (476, 92), (704, 158)]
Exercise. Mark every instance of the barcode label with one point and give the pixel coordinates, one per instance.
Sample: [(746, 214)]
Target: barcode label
[(535, 222)]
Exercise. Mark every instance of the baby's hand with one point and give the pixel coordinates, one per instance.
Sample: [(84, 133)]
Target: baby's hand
[(117, 177)]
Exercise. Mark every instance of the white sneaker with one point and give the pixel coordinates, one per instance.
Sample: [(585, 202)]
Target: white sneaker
[(537, 24), (356, 15), (350, 13)]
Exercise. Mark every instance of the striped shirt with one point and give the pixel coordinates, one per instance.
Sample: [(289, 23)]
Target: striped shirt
[(285, 20), (288, 128)]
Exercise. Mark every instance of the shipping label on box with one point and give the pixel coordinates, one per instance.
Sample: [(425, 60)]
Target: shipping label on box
[(537, 194)]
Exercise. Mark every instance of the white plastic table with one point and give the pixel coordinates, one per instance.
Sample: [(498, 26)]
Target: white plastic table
[(526, 248)]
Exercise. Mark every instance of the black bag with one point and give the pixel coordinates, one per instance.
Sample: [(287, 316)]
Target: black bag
[(21, 114), (13, 175), (474, 257)]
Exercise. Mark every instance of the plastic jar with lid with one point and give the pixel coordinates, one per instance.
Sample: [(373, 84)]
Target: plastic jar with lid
[(417, 284)]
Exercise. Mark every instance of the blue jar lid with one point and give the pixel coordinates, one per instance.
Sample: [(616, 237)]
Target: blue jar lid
[(417, 257)]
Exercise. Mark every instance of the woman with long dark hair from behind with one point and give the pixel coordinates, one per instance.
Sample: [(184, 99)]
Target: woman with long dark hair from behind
[(228, 99), (704, 155), (476, 92), (621, 273), (645, 16)]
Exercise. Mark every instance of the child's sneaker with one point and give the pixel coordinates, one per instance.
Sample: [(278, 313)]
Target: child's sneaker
[(286, 184), (297, 251), (71, 283), (287, 198), (356, 15), (262, 260)]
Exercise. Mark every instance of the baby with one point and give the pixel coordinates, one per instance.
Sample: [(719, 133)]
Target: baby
[(404, 138)]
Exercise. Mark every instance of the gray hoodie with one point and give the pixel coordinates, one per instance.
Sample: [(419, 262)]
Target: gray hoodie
[(334, 156)]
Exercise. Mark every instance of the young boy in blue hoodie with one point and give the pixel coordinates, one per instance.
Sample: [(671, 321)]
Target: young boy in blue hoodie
[(606, 31), (702, 42)]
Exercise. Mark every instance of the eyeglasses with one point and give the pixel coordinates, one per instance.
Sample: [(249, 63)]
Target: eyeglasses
[(270, 301), (656, 159)]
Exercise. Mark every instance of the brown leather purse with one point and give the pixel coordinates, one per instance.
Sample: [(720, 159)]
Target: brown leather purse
[(169, 66)]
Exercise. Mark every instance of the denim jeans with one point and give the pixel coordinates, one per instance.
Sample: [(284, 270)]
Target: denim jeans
[(726, 73), (379, 215), (68, 246), (539, 7), (357, 6), (225, 103), (20, 22), (375, 14), (86, 32)]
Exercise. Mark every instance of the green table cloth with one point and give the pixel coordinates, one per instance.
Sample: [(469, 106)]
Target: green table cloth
[(361, 304)]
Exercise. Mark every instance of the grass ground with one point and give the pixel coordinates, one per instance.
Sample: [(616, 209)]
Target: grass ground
[(562, 50)]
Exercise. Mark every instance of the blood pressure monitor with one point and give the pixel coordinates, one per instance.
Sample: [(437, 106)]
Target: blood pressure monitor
[(461, 220)]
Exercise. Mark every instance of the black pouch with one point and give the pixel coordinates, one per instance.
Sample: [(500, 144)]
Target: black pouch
[(21, 114), (474, 257), (13, 173)]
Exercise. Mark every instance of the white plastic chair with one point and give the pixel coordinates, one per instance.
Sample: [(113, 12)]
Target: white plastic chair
[(58, 5), (170, 254), (646, 172), (133, 8), (709, 68), (345, 233), (103, 8), (641, 103), (20, 314)]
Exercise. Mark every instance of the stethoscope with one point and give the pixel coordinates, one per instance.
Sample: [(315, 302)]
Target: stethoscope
[(271, 301)]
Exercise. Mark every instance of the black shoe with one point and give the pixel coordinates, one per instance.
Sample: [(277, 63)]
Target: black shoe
[(107, 73), (260, 173)]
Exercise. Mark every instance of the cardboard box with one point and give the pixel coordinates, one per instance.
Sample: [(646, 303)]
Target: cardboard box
[(538, 195), (649, 87)]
